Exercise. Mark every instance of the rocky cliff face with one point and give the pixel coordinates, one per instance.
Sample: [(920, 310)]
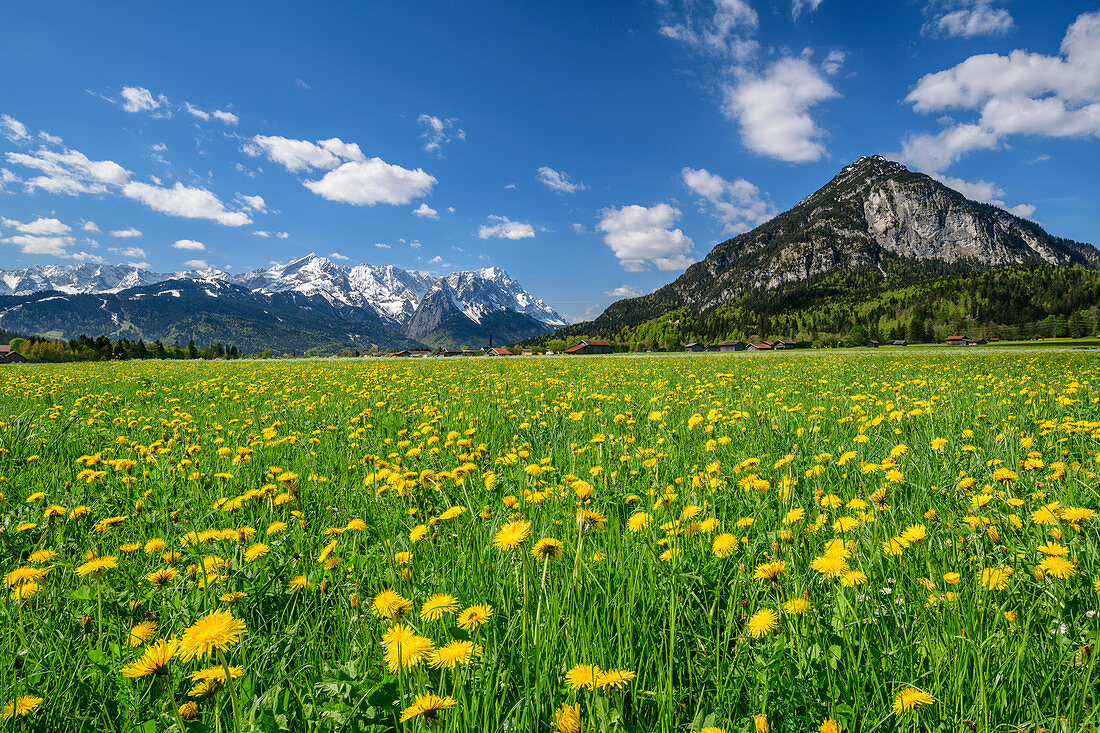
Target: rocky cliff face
[(873, 210)]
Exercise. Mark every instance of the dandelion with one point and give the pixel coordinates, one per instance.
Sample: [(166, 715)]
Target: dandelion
[(437, 606), (852, 578), (391, 604), (217, 630), (98, 566), (828, 726), (996, 578), (567, 718), (21, 707), (769, 570), (154, 660), (547, 548), (512, 535), (427, 706), (911, 698), (762, 622), (298, 584), (162, 577), (417, 533), (452, 654), (474, 616), (404, 647), (582, 676), (1058, 566), (189, 710), (796, 606), (760, 723), (639, 521), (724, 545), (615, 679), (141, 632)]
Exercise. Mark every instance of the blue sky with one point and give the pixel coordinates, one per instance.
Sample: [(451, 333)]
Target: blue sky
[(591, 149)]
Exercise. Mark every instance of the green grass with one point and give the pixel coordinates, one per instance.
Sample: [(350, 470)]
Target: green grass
[(706, 445)]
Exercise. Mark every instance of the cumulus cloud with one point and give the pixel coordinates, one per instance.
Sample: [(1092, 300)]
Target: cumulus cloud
[(1024, 211), (38, 227), (128, 233), (722, 27), (557, 180), (188, 244), (277, 235), (381, 245), (256, 203), (69, 172), (185, 201), (968, 18), (90, 226), (1023, 93), (502, 227), (352, 177), (196, 264), (797, 6), (832, 63), (640, 235), (738, 204), (13, 129), (623, 291), (338, 256), (425, 212), (131, 252), (773, 109), (196, 112), (6, 178), (438, 131), (226, 117), (140, 99)]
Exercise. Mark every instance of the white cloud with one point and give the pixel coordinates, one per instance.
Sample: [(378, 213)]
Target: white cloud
[(353, 178), (1023, 93), (639, 235), (185, 201), (338, 256), (13, 129), (51, 139), (70, 172), (196, 264), (380, 245), (302, 155), (773, 109), (90, 226), (557, 180), (426, 212), (509, 187), (141, 265), (196, 112), (623, 291), (726, 27), (132, 252), (127, 233), (1024, 211), (226, 117), (435, 260), (371, 182), (737, 204), (277, 235), (188, 244), (797, 6), (968, 18), (504, 228), (39, 227), (256, 203), (31, 245), (7, 177), (438, 131), (832, 63), (986, 192), (140, 99)]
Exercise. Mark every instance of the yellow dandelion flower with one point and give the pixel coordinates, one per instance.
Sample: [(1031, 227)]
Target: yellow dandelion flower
[(512, 535), (97, 566), (141, 632), (437, 606), (427, 706), (547, 548), (567, 718), (724, 545), (21, 707), (912, 699), (154, 660), (1059, 567), (474, 616), (391, 604), (454, 653), (762, 622), (615, 679), (404, 647), (216, 630), (582, 676), (996, 578)]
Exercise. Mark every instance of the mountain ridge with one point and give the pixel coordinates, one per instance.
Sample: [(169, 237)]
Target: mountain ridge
[(362, 306)]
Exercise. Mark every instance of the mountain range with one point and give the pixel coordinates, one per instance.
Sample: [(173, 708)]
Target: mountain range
[(309, 303), (875, 225)]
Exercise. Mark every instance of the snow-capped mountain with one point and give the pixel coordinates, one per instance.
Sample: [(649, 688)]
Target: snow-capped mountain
[(403, 302)]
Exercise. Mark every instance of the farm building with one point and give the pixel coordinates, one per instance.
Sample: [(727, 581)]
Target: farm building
[(762, 346), (7, 356), (589, 346), (695, 346), (732, 346), (498, 351)]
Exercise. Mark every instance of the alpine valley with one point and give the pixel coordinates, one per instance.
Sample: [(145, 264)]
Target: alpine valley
[(878, 252), (309, 303)]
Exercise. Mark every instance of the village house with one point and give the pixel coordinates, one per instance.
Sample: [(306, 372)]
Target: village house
[(732, 346), (589, 346), (7, 356), (695, 346), (762, 346), (498, 351)]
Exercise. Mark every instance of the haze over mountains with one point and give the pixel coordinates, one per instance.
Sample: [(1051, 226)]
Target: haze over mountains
[(308, 303)]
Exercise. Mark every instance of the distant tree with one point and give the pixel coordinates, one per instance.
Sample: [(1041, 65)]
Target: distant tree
[(192, 352), (17, 344), (857, 336)]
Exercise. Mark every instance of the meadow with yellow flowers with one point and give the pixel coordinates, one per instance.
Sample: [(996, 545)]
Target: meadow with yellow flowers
[(720, 542)]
